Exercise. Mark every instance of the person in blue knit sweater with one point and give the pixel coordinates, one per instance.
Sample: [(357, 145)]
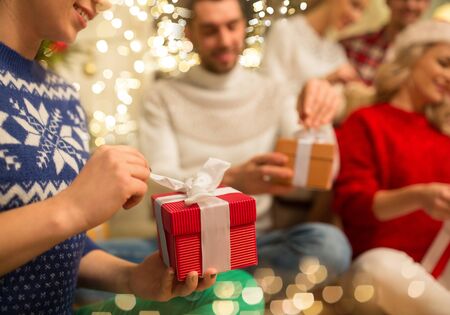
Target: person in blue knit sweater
[(50, 190)]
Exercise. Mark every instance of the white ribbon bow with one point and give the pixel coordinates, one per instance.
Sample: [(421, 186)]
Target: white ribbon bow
[(200, 186)]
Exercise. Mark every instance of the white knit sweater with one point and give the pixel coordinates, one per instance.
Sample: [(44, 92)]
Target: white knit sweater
[(233, 117), (294, 52)]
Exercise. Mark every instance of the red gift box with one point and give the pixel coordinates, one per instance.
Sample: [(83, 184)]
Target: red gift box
[(182, 230)]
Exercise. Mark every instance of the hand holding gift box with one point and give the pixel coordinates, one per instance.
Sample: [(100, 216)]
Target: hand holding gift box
[(311, 156), (202, 226)]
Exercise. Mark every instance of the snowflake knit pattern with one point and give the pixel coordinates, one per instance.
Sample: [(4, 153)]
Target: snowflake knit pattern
[(43, 146)]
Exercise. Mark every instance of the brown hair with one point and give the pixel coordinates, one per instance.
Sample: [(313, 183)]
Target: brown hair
[(190, 5)]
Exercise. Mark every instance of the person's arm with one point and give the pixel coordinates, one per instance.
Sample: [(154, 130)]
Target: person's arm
[(318, 103), (344, 74), (358, 195), (150, 279), (28, 231), (277, 60), (433, 197), (112, 178)]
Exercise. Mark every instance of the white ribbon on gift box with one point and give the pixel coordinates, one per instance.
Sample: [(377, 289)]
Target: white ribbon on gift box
[(435, 252), (214, 212), (306, 138)]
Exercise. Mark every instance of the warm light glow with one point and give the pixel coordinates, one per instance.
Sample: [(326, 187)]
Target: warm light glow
[(416, 289), (276, 307), (225, 307), (108, 15), (442, 13), (108, 74), (319, 276), (409, 270), (258, 6), (364, 293), (102, 46), (129, 34), (99, 141), (315, 309), (224, 289), (289, 308), (136, 45), (303, 6), (309, 265), (121, 34), (271, 284), (303, 283), (252, 295), (125, 302), (116, 23), (98, 87), (332, 294), (303, 301), (139, 66)]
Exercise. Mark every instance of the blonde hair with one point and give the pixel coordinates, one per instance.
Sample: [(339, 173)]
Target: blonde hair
[(407, 48), (392, 75)]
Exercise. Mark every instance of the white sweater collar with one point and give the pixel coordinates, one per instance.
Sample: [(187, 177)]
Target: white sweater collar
[(207, 79)]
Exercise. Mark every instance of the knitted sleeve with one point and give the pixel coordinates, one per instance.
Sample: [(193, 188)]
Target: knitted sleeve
[(277, 51), (89, 246), (357, 181)]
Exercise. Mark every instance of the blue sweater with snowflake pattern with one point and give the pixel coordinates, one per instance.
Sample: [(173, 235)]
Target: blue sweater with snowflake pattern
[(43, 146)]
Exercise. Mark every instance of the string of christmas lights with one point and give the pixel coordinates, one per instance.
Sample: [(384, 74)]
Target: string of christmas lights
[(124, 34)]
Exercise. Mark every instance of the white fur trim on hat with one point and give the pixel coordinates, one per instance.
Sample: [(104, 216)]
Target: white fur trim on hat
[(422, 32)]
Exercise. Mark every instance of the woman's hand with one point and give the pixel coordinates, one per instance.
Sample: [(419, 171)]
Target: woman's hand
[(114, 177), (344, 74), (318, 103), (435, 199), (153, 280)]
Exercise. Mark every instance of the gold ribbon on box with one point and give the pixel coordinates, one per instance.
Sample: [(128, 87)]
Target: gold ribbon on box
[(214, 212)]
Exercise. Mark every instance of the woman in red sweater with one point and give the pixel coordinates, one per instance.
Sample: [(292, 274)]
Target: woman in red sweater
[(393, 192)]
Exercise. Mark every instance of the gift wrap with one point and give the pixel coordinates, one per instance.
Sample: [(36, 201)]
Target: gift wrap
[(204, 226), (311, 161), (437, 259)]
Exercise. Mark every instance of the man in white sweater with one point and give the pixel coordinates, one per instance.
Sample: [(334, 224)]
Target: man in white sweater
[(220, 109)]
